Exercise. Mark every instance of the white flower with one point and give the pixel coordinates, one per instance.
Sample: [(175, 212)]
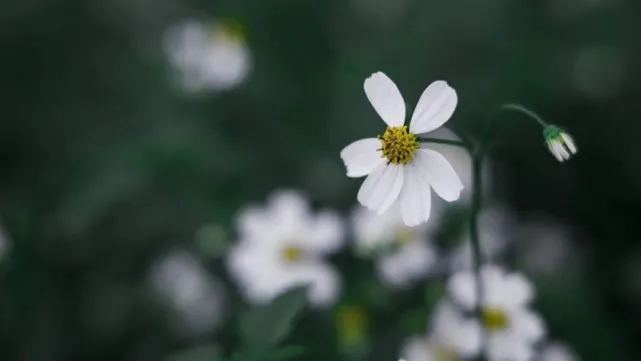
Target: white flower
[(411, 256), (282, 245), (449, 338), (195, 296), (510, 326), (559, 143), (397, 169), (425, 348), (556, 351), (208, 56)]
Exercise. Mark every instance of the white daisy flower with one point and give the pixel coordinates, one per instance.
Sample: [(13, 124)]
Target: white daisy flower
[(557, 351), (282, 245), (214, 57), (510, 327), (411, 256), (397, 169), (559, 143), (187, 287), (449, 338)]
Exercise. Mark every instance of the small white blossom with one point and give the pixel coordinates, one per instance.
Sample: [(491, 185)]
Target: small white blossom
[(410, 256), (510, 326), (282, 245), (188, 288), (208, 56), (559, 143), (398, 170)]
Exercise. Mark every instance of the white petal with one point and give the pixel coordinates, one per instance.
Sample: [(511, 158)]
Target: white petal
[(569, 142), (417, 349), (552, 147), (527, 325), (415, 197), (410, 263), (434, 108), (462, 288), (324, 283), (362, 157), (253, 223), (463, 335), (440, 173), (517, 291), (290, 215), (325, 234), (507, 346), (381, 188), (385, 98)]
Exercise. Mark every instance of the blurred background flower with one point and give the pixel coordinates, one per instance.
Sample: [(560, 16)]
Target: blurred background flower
[(144, 143)]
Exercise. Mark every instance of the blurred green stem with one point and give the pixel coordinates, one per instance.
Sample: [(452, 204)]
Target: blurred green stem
[(477, 165)]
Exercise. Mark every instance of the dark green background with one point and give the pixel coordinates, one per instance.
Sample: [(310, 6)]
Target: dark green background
[(106, 165)]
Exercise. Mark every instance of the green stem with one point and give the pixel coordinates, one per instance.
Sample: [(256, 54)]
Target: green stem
[(519, 108), (477, 166), (509, 106)]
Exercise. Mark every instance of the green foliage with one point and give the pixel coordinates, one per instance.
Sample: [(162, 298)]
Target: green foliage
[(263, 327)]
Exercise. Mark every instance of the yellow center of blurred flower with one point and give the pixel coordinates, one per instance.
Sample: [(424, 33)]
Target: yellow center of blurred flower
[(494, 319), (292, 254), (442, 353), (229, 30), (403, 237), (398, 145), (351, 323)]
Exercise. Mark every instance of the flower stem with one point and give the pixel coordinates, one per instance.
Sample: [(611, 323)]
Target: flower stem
[(508, 106), (477, 166)]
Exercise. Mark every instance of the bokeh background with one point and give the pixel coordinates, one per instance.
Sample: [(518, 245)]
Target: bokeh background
[(128, 150)]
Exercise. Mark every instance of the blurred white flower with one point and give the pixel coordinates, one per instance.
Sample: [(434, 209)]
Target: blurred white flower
[(510, 326), (411, 256), (495, 229), (189, 289), (426, 348), (208, 56), (556, 351), (397, 169), (282, 245), (450, 338)]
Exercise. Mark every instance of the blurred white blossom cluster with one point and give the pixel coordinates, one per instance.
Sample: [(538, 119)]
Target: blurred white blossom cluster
[(285, 243), (208, 56)]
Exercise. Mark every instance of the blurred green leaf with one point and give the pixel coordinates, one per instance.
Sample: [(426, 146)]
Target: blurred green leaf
[(265, 326)]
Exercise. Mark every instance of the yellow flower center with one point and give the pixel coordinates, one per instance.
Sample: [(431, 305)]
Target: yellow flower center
[(494, 319), (351, 322), (229, 30), (403, 237), (442, 353), (398, 145), (292, 254)]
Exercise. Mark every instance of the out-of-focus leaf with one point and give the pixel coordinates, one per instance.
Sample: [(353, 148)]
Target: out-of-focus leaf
[(265, 326)]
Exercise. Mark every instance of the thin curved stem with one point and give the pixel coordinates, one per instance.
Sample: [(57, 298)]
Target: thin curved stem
[(494, 118)]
